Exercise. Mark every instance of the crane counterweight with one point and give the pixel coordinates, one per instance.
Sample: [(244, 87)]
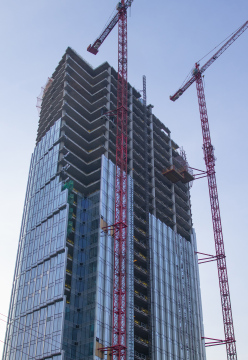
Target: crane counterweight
[(93, 49)]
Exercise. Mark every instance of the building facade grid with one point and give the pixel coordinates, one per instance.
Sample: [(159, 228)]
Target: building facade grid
[(61, 302)]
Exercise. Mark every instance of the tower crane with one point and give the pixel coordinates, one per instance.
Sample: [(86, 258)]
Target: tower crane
[(209, 158), (119, 342)]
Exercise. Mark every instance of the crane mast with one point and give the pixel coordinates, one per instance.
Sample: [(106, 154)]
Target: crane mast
[(209, 158), (119, 283), (119, 341)]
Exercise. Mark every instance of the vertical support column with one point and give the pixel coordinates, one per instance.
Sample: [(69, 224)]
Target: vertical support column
[(173, 190), (147, 207), (152, 161), (65, 84), (189, 206), (130, 123), (63, 121), (106, 145), (183, 154)]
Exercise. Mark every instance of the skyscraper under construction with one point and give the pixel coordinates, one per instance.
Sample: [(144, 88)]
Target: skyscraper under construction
[(61, 302)]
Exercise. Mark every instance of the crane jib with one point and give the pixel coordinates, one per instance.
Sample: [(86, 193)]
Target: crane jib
[(228, 43), (98, 42)]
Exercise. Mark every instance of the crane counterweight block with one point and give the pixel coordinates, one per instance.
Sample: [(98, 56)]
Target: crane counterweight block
[(93, 49)]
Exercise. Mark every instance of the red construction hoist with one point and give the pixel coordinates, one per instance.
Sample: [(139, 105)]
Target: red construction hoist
[(119, 343), (209, 158)]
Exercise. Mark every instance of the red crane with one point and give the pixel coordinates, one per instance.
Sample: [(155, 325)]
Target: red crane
[(119, 343), (209, 158)]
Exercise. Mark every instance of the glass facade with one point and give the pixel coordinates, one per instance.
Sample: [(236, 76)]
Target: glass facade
[(37, 303), (176, 308), (88, 286), (105, 260), (81, 277), (61, 303)]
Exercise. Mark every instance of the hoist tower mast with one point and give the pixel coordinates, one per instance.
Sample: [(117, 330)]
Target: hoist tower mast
[(119, 342), (209, 158)]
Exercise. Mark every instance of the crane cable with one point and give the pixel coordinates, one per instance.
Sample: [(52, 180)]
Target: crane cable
[(110, 17), (187, 77), (190, 73), (219, 44)]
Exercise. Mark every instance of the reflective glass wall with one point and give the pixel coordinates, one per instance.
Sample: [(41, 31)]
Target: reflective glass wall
[(36, 313), (61, 303), (176, 308), (105, 262), (81, 277)]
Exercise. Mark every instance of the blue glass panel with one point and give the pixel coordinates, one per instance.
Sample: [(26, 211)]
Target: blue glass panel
[(173, 295)]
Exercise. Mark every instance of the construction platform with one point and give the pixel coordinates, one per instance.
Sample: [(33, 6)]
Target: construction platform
[(187, 177), (174, 175)]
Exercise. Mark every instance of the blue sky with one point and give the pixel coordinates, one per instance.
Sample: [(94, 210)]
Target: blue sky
[(165, 39)]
